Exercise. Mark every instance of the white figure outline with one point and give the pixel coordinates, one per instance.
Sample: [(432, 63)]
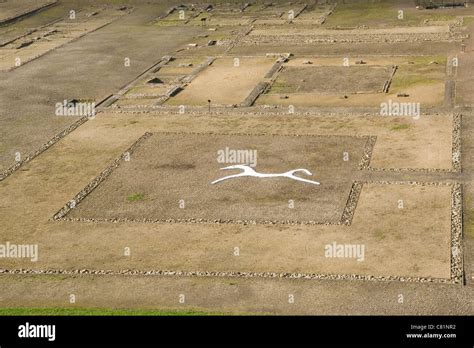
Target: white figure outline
[(249, 171)]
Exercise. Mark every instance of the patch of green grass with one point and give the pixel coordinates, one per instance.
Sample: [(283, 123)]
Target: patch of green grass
[(421, 72), (400, 126), (407, 80), (379, 235), (135, 197), (468, 20), (99, 312), (281, 86), (425, 60)]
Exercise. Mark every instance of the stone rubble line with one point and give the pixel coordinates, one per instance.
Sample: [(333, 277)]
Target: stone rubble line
[(351, 204), (367, 155), (346, 218), (457, 123), (259, 110), (199, 221), (262, 134), (216, 274), (388, 83), (363, 35), (457, 260)]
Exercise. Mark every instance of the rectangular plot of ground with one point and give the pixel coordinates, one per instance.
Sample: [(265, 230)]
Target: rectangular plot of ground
[(169, 178), (408, 227), (411, 242), (331, 79), (416, 79), (226, 82)]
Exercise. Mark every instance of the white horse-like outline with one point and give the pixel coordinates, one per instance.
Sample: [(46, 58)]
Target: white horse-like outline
[(248, 171)]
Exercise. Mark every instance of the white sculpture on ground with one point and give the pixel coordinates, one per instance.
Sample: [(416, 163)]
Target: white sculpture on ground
[(248, 171)]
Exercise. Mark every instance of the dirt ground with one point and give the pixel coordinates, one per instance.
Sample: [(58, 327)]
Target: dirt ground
[(238, 296), (322, 80), (158, 173), (224, 83)]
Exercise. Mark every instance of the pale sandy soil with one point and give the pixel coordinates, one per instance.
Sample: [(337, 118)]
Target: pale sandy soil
[(223, 83)]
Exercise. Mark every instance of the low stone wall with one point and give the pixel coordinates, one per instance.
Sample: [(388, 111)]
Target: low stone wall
[(368, 150), (217, 274), (27, 13), (453, 34), (351, 204), (252, 97), (387, 84)]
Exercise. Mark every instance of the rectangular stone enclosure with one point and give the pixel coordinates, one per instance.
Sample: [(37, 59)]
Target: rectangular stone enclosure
[(168, 178), (331, 79)]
